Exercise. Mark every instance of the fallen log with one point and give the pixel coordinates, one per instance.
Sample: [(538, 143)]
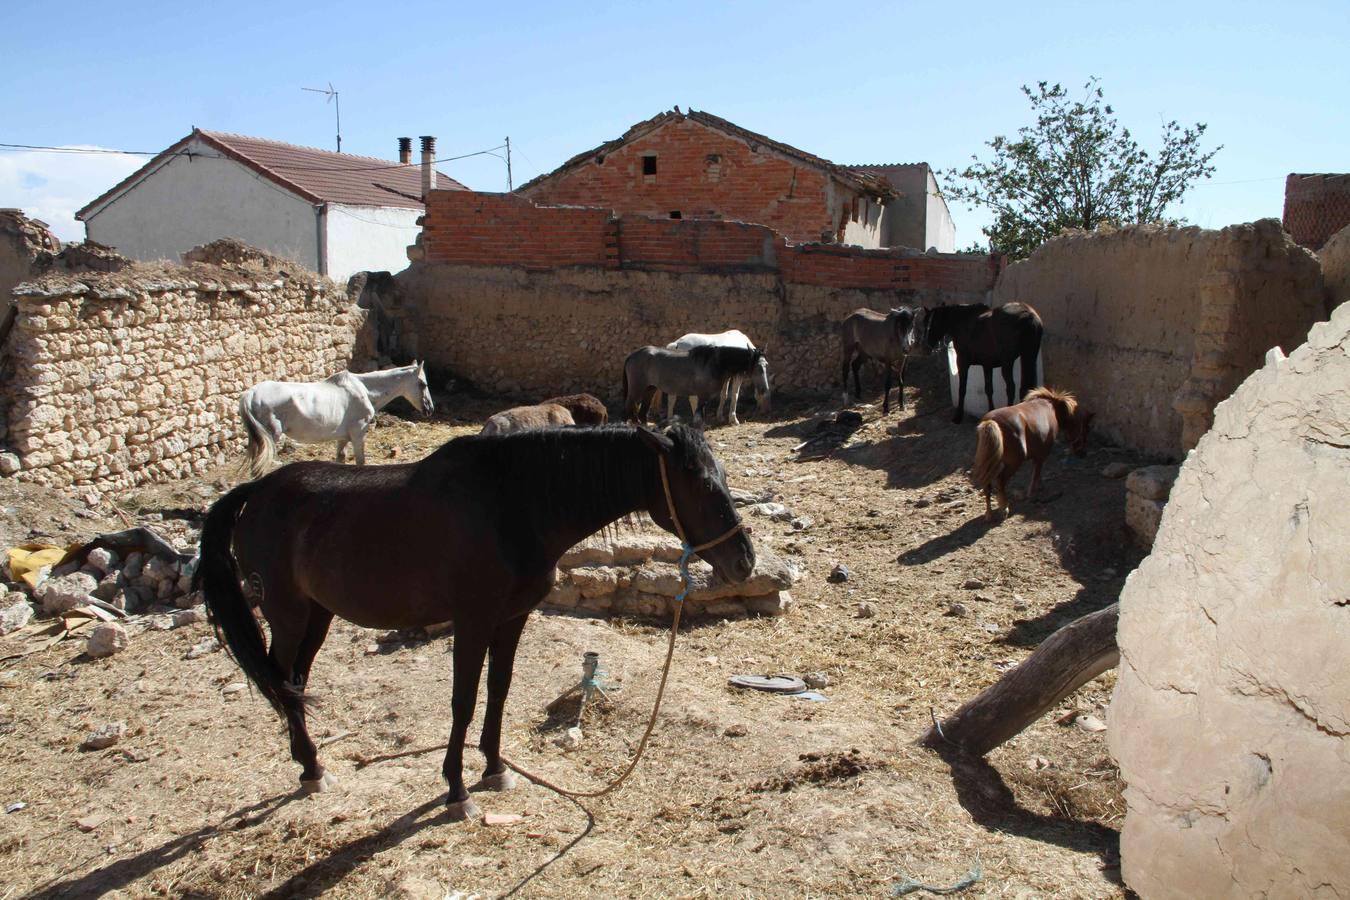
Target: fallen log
[(1064, 662)]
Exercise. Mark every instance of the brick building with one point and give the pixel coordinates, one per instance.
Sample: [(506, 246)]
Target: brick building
[(1316, 207), (696, 165)]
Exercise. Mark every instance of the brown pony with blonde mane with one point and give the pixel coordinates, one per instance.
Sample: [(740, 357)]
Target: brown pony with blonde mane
[(1010, 435)]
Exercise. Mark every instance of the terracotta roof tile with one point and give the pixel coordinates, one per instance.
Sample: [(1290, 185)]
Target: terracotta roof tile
[(320, 176)]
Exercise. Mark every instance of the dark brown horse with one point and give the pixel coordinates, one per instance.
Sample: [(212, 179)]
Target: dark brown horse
[(988, 337), (1010, 435), (471, 534), (886, 337)]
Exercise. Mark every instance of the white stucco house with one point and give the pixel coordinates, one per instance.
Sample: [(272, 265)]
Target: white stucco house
[(919, 216), (333, 213)]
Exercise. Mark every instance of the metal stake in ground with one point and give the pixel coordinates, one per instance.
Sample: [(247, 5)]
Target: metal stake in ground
[(592, 682)]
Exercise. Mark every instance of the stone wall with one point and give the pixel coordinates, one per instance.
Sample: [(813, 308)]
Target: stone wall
[(1152, 326), (1335, 259), (1231, 716), (522, 298), (514, 331), (117, 379)]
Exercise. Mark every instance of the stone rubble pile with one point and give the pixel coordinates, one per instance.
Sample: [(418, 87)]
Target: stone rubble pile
[(635, 572), (137, 592)]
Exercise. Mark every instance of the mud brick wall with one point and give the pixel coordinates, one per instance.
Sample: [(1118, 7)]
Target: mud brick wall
[(1316, 207), (1230, 719), (1153, 326), (123, 379)]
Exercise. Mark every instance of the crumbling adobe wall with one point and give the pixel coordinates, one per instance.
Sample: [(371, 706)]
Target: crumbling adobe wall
[(1152, 326), (118, 379), (25, 246), (1231, 716), (1335, 259)]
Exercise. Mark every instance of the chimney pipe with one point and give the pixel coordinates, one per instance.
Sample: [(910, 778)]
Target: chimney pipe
[(428, 171), (405, 150)]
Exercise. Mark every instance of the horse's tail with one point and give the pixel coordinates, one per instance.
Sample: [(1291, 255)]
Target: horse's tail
[(262, 450), (217, 577), (988, 453)]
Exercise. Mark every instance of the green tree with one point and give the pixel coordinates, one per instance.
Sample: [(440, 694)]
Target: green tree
[(1077, 167)]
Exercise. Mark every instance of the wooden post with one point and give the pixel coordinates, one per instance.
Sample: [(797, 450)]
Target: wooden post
[(1064, 662)]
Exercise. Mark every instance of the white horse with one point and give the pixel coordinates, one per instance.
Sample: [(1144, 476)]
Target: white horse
[(339, 409), (731, 391)]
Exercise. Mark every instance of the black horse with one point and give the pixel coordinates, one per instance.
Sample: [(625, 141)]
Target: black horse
[(471, 534), (988, 337)]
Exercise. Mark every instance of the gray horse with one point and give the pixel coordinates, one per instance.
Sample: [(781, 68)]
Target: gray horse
[(885, 337), (693, 373)]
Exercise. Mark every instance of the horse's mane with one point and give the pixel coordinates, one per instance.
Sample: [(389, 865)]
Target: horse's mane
[(1064, 400), (727, 360), (590, 470)]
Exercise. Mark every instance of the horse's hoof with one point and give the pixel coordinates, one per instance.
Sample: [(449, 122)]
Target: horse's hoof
[(502, 781), (462, 810), (325, 782), (735, 421)]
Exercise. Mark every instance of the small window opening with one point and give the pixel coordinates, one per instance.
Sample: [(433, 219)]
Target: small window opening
[(649, 165), (600, 159), (676, 214)]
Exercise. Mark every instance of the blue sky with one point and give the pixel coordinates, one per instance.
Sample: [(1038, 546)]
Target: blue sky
[(896, 83)]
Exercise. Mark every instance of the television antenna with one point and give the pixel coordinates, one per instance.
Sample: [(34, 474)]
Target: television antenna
[(332, 94)]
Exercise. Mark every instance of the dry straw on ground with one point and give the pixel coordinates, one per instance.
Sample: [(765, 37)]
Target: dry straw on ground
[(741, 794)]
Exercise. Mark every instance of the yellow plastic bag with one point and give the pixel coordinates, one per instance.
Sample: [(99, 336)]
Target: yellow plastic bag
[(26, 559)]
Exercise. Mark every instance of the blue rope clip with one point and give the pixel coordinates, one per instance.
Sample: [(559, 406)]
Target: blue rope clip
[(684, 571)]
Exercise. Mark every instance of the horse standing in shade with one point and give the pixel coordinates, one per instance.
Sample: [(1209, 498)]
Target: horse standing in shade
[(886, 337), (988, 337), (731, 391), (1010, 435), (471, 533), (694, 373), (340, 409)]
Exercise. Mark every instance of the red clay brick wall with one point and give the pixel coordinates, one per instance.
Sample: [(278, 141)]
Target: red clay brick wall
[(1316, 207), (467, 228), (741, 185), (507, 230)]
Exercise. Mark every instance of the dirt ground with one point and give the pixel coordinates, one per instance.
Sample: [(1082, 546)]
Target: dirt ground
[(740, 793)]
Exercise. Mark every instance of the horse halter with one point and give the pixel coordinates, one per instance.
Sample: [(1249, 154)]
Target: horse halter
[(679, 528)]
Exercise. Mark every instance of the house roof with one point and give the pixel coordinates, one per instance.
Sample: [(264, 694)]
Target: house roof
[(319, 176), (863, 181)]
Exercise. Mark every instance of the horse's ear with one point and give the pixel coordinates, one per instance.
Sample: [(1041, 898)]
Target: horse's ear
[(656, 440)]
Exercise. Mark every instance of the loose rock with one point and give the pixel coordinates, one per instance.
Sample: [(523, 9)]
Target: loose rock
[(106, 639), (15, 615), (188, 617), (204, 647), (865, 610), (839, 574), (1116, 470), (9, 464), (102, 559), (776, 512), (960, 610), (67, 592), (973, 584), (104, 736), (816, 680)]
